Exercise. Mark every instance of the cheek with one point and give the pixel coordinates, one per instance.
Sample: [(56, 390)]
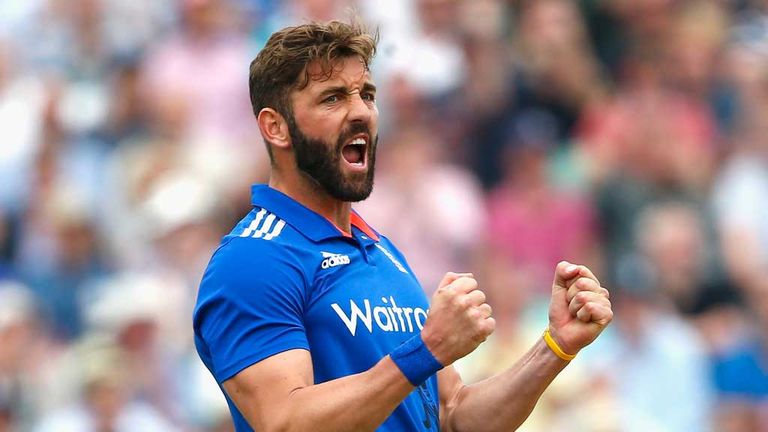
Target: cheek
[(324, 125)]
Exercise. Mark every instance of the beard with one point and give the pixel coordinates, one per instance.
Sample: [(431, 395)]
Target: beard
[(322, 163)]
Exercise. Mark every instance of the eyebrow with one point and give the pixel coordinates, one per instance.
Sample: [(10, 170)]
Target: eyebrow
[(367, 87)]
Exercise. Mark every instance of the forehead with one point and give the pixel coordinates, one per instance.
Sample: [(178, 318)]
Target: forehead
[(350, 72)]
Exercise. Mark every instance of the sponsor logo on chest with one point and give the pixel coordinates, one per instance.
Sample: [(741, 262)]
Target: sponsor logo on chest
[(387, 316)]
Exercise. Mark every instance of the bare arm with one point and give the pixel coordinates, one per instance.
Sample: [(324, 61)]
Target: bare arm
[(501, 402), (579, 310), (277, 394)]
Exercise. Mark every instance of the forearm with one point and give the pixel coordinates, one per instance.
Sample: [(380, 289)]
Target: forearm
[(503, 402), (359, 402)]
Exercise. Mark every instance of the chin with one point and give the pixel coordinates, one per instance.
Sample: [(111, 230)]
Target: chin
[(353, 194)]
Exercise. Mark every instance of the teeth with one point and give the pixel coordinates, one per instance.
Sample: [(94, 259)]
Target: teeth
[(358, 141)]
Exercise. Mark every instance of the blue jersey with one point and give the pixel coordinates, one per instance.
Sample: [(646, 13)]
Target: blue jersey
[(287, 278)]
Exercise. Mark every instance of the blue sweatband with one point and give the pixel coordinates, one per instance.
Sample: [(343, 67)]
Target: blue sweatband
[(415, 361)]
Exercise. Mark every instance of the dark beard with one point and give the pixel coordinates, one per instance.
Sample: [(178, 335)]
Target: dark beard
[(322, 163)]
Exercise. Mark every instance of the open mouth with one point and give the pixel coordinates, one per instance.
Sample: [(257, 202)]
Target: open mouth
[(354, 152)]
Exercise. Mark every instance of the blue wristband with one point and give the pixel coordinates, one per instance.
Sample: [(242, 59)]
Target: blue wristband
[(415, 361)]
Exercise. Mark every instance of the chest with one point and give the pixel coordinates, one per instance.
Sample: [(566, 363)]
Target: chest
[(363, 291)]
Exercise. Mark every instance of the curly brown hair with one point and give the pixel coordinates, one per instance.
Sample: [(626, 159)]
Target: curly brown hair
[(282, 65)]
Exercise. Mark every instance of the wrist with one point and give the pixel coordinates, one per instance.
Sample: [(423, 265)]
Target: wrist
[(415, 360), (434, 344), (557, 347)]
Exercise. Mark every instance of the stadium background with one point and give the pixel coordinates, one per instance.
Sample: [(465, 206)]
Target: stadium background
[(630, 135)]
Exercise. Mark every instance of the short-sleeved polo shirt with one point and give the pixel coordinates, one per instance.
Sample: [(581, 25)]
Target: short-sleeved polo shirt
[(287, 278)]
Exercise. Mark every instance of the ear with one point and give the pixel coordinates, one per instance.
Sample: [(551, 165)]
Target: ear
[(274, 128)]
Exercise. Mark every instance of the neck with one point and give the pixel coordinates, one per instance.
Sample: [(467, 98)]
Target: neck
[(313, 197)]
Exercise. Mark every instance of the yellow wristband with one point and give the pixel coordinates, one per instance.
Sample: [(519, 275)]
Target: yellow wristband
[(556, 348)]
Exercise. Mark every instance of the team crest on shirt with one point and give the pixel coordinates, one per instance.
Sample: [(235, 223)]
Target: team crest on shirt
[(392, 258), (334, 260)]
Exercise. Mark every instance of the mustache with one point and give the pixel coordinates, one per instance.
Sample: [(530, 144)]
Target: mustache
[(354, 129)]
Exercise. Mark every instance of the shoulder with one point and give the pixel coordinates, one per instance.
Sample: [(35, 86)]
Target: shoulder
[(261, 224), (261, 248), (262, 236), (259, 268)]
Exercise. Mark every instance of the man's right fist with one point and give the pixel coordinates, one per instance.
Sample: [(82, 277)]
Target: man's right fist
[(459, 318)]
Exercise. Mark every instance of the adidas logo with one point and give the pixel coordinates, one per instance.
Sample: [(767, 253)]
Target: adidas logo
[(333, 260)]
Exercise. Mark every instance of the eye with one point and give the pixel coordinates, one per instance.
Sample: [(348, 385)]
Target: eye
[(371, 97), (331, 99)]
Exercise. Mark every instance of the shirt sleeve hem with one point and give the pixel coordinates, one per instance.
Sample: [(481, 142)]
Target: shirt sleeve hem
[(230, 371)]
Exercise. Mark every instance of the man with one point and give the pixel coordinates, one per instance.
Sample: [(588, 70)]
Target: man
[(310, 320)]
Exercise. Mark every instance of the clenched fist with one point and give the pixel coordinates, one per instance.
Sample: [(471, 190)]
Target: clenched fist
[(459, 318), (579, 309)]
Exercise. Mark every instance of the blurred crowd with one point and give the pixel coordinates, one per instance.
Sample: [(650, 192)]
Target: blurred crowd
[(629, 135)]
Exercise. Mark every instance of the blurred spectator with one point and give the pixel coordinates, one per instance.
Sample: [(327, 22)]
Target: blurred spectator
[(105, 403), (739, 191), (127, 121), (741, 374), (485, 25), (639, 24), (681, 263), (554, 73), (486, 92), (138, 313), (558, 71), (663, 361), (203, 69), (61, 259), (407, 105), (22, 104), (133, 26), (184, 234), (693, 47), (139, 170), (531, 223), (741, 188), (647, 145), (431, 58), (26, 353), (650, 133), (79, 39)]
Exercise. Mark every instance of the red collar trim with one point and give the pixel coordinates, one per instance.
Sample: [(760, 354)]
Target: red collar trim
[(356, 221)]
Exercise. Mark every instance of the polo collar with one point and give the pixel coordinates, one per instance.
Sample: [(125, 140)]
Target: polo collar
[(306, 221)]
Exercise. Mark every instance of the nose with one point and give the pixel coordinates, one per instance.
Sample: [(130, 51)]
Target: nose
[(360, 110)]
